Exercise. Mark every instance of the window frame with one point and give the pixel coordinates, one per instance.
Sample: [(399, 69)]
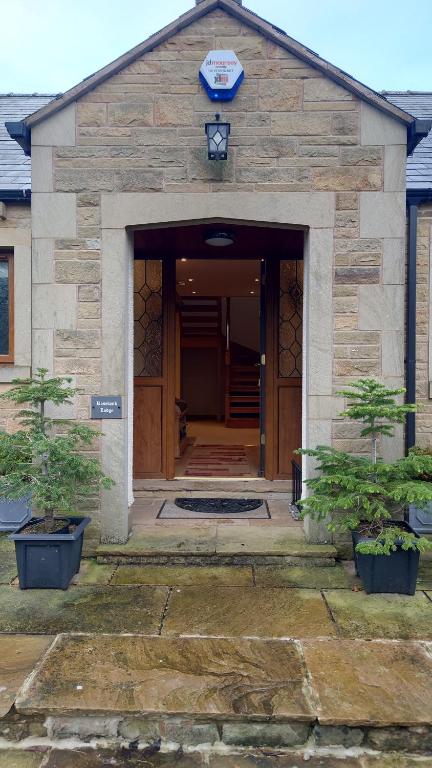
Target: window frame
[(9, 257)]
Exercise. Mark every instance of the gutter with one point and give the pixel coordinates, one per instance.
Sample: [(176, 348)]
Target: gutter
[(414, 199), (16, 196)]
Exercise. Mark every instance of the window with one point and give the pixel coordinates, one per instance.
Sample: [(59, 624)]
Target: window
[(6, 307)]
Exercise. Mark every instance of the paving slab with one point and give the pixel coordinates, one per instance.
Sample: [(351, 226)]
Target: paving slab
[(82, 609), (92, 572), (147, 540), (124, 758), (381, 616), (336, 577), (424, 580), (373, 683), (18, 656), (297, 760), (8, 569), (172, 576), (247, 611), (394, 760), (271, 540), (12, 758), (232, 679)]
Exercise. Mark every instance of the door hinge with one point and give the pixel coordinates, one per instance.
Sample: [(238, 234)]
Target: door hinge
[(263, 359), (262, 438)]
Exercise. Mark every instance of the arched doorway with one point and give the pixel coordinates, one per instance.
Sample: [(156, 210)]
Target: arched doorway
[(176, 266)]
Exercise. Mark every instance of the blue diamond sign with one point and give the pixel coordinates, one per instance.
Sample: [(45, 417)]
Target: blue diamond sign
[(221, 75)]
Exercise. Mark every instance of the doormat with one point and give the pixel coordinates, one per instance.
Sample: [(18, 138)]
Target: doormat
[(187, 508), (219, 461)]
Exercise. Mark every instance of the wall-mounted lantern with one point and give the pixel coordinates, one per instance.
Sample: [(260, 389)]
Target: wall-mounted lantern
[(217, 139)]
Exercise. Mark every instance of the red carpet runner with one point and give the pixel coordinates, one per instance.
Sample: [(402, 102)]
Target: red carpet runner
[(219, 461)]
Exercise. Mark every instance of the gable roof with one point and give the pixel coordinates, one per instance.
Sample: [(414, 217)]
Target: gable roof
[(15, 166), (419, 163), (252, 20)]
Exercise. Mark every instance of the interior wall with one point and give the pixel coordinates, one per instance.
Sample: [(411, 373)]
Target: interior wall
[(201, 382), (244, 325)]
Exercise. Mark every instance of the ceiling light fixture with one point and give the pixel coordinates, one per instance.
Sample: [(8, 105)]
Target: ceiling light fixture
[(218, 238), (190, 279), (183, 259)]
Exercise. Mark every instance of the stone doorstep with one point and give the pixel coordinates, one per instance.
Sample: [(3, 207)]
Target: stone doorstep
[(219, 543), (199, 559)]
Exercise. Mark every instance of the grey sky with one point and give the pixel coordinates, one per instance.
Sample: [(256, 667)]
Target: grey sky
[(50, 45)]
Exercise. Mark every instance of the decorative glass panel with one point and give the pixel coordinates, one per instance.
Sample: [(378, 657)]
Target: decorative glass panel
[(148, 318), (4, 307), (290, 319)]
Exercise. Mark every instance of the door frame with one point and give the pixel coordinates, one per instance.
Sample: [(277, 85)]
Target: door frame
[(121, 214), (271, 385)]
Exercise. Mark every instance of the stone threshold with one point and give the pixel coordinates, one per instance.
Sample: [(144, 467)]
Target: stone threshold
[(254, 487), (228, 692)]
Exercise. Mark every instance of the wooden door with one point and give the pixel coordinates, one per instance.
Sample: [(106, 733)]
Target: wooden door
[(284, 323), (154, 368)]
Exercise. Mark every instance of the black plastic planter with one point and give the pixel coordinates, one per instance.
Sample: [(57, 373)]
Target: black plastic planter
[(396, 572), (13, 514), (49, 560)]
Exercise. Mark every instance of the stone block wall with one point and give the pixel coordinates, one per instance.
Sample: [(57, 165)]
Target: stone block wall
[(424, 327), (15, 223)]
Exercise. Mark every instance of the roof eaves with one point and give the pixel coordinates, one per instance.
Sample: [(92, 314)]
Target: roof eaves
[(248, 17), (19, 131), (417, 131)]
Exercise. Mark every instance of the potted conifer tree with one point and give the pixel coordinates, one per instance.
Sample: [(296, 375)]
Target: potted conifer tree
[(45, 460), (368, 497)]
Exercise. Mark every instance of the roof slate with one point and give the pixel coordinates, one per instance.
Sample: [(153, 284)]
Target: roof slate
[(419, 164), (15, 167)]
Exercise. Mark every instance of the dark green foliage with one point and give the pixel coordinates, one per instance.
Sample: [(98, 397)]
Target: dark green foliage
[(46, 458), (357, 491)]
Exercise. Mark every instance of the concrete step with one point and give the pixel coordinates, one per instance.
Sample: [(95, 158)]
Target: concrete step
[(231, 694)]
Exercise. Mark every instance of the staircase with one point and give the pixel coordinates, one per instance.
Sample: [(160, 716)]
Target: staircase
[(201, 326), (242, 399), (200, 320)]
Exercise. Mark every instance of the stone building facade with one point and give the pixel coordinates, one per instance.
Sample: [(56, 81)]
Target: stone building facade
[(424, 327), (309, 148)]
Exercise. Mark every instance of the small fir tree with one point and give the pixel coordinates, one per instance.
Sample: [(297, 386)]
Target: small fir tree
[(361, 493), (45, 459)]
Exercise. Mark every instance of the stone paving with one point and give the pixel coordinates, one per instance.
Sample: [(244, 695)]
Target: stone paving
[(91, 758), (249, 600), (228, 647)]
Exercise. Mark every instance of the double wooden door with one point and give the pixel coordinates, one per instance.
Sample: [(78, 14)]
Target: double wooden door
[(155, 366)]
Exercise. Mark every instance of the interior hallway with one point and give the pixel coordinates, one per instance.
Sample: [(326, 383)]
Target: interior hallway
[(216, 450)]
